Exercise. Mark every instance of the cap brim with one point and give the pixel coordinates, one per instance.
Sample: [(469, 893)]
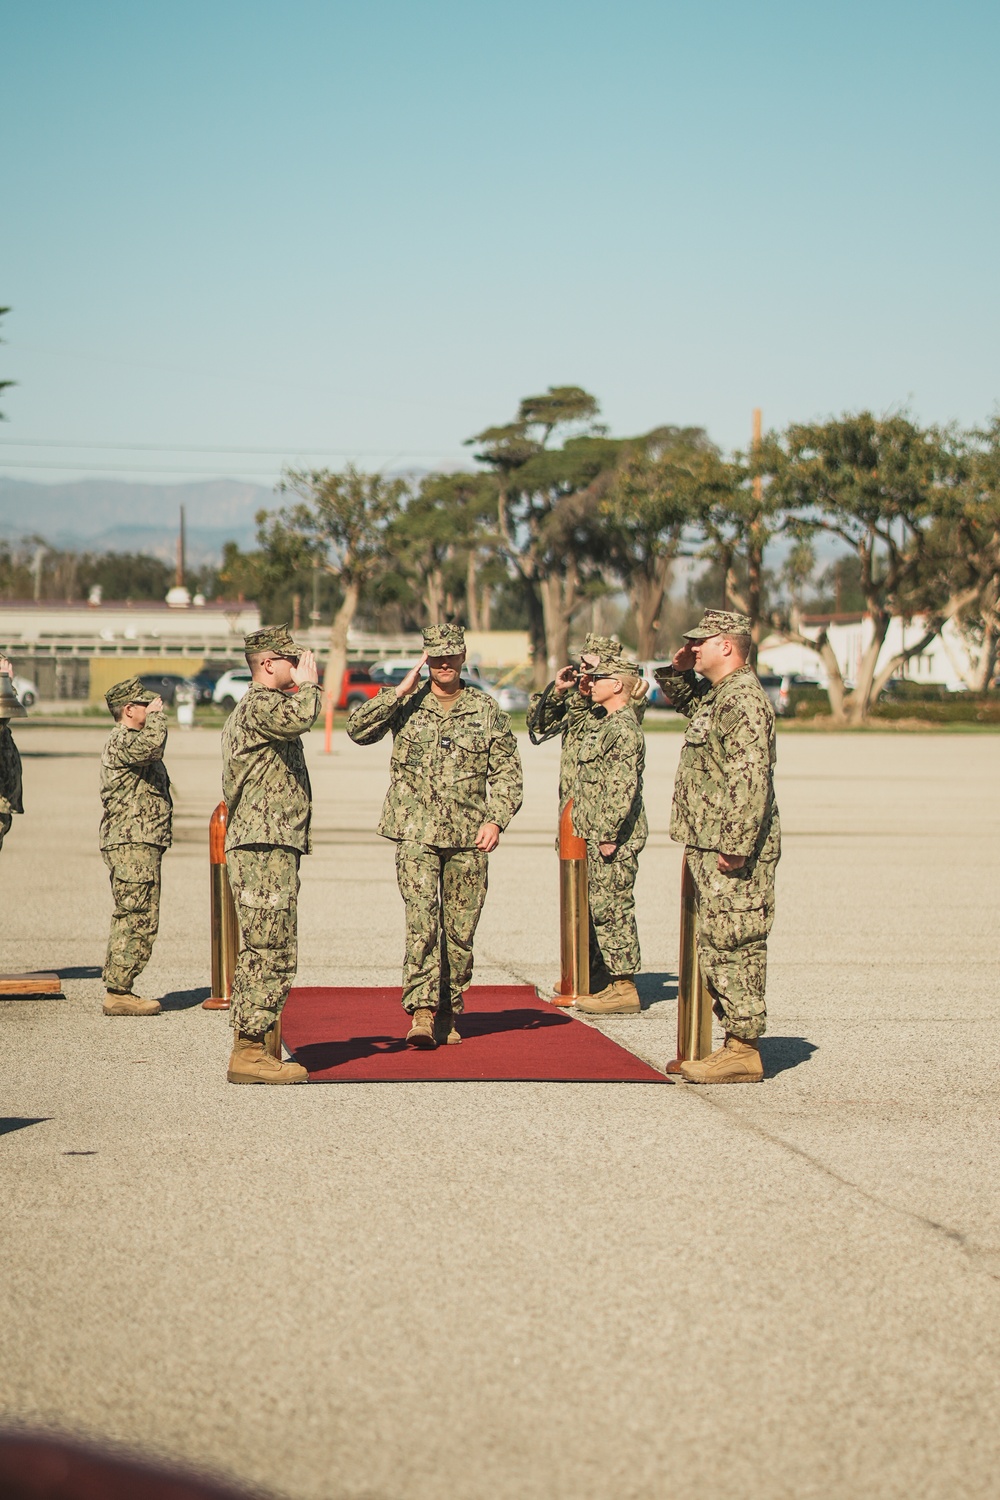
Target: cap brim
[(699, 635)]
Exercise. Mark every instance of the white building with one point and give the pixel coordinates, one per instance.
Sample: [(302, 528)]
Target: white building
[(945, 661)]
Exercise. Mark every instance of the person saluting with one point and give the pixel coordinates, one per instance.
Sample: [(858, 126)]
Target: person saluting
[(725, 814), (269, 808)]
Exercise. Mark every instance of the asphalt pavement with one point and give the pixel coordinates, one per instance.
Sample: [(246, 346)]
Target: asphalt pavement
[(522, 1290)]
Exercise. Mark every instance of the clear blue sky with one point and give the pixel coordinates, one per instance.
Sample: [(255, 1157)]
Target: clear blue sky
[(371, 227)]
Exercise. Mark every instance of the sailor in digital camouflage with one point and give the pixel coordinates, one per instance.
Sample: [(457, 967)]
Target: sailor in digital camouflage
[(10, 769), (455, 785), (265, 785), (135, 830), (608, 812), (725, 814), (564, 707)]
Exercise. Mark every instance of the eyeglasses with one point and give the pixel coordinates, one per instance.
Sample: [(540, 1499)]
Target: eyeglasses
[(601, 676)]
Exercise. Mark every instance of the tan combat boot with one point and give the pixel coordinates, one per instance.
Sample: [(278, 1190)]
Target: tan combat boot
[(421, 1033), (249, 1062), (120, 1003), (446, 1032), (735, 1061), (619, 998)]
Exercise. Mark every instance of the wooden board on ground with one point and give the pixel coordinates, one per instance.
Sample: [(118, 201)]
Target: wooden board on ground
[(30, 984)]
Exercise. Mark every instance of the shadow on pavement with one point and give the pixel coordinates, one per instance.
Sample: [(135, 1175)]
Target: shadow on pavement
[(779, 1053), (85, 971), (9, 1123), (653, 987), (317, 1057), (184, 999)]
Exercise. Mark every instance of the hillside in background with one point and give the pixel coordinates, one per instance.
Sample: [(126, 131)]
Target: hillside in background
[(109, 515)]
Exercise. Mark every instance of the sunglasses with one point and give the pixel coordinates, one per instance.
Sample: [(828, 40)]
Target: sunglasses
[(602, 676)]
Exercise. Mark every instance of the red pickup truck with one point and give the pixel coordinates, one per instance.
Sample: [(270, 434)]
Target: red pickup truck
[(357, 687)]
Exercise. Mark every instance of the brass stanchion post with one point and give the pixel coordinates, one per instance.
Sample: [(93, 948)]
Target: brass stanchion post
[(574, 913), (272, 1040), (225, 931), (694, 1003)]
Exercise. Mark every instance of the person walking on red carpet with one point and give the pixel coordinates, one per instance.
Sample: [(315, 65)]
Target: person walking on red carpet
[(269, 803), (455, 785)]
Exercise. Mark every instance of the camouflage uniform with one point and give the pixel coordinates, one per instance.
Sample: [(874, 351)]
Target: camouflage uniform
[(724, 803), (268, 798), (10, 780), (570, 714), (135, 830), (607, 809), (442, 763)]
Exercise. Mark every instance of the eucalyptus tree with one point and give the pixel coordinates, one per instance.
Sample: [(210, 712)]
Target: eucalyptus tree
[(881, 486), (343, 521), (547, 511), (655, 502)]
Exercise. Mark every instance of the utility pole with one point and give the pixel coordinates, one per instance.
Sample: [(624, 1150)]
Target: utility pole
[(180, 553)]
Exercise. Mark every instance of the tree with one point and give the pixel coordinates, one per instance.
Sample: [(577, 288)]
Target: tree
[(661, 489), (551, 554), (965, 549), (342, 520), (878, 485), (439, 542)]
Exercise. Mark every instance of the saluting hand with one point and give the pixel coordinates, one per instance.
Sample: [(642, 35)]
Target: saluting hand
[(305, 669), (156, 706), (684, 658), (565, 678), (410, 681)]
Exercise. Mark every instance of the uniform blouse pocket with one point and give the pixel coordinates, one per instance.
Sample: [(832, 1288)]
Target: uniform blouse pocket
[(697, 731)]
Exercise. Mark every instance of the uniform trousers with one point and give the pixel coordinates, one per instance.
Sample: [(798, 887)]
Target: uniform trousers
[(614, 937), (135, 887), (735, 912), (265, 885), (443, 891)]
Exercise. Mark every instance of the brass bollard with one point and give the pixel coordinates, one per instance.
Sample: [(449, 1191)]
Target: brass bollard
[(574, 913), (272, 1040), (694, 1003), (225, 931)]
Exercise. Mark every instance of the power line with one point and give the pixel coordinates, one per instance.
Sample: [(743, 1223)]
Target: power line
[(142, 469), (195, 448)]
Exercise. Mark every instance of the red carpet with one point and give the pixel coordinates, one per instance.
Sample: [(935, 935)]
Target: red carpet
[(358, 1036)]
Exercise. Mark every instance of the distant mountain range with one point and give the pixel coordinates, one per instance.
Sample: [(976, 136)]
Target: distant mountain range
[(108, 515)]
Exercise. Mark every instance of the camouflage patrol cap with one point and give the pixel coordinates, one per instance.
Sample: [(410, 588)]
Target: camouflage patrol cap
[(614, 663), (129, 691), (444, 640), (718, 622), (600, 644), (271, 638)]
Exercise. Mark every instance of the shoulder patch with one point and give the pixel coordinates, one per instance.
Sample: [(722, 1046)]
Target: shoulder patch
[(729, 716)]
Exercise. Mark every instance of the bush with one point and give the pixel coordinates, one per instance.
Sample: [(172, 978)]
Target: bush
[(956, 708)]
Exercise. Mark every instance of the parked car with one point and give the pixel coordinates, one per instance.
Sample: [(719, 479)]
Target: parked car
[(513, 700), (165, 684), (778, 688), (230, 687), (203, 683), (356, 687), (26, 691)]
